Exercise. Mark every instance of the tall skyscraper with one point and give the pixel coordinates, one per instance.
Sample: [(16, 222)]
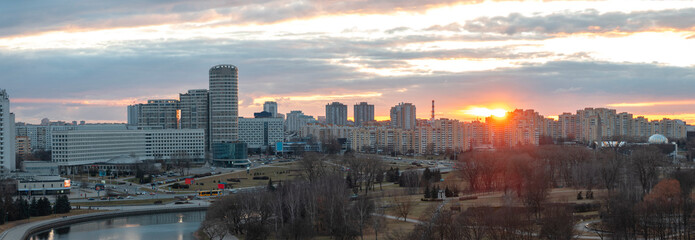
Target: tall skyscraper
[(336, 113), (403, 116), (7, 135), (133, 114), (159, 112), (364, 112), (271, 107), (224, 104), (194, 111)]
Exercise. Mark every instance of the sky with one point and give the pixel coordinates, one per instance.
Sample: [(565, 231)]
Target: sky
[(88, 60)]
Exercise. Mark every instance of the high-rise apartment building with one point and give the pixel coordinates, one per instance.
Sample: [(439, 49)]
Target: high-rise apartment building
[(403, 116), (363, 112), (159, 113), (193, 107), (296, 120), (336, 114), (224, 104), (7, 135), (133, 114), (271, 107)]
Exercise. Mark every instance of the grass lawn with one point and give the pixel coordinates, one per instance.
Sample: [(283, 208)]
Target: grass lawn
[(276, 173), (102, 203), (73, 212)]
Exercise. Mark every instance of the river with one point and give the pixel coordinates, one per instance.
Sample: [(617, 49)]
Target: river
[(176, 226)]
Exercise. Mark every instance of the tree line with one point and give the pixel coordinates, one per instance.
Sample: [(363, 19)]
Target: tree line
[(318, 204), (21, 208)]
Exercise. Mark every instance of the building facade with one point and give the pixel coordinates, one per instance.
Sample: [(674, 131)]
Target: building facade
[(259, 133), (133, 114), (363, 112), (336, 114), (7, 135), (23, 145), (79, 147), (403, 116), (296, 120), (193, 107), (224, 104), (160, 113), (271, 107)]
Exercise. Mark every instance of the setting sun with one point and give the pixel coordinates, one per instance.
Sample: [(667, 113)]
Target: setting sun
[(485, 112)]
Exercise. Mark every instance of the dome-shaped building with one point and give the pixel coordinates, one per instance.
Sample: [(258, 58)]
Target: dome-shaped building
[(658, 139)]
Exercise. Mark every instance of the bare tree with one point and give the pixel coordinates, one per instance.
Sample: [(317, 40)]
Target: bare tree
[(214, 229), (644, 163), (403, 205), (312, 165)]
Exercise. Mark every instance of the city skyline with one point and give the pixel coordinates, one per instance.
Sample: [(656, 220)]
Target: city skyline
[(89, 63)]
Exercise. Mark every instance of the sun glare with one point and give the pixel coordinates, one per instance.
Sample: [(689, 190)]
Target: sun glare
[(485, 112)]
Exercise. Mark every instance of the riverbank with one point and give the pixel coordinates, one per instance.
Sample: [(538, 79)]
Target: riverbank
[(25, 230)]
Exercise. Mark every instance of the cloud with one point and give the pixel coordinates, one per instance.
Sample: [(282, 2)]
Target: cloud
[(652, 104), (588, 21), (452, 27), (26, 17)]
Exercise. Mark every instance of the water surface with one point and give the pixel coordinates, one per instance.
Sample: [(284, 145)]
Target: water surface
[(177, 226)]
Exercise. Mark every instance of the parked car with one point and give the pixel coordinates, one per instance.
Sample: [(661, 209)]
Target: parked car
[(91, 199)]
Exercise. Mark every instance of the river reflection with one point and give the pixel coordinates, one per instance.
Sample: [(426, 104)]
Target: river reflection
[(178, 226)]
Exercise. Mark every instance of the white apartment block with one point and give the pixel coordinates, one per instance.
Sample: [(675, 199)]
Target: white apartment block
[(7, 135), (40, 136), (261, 132), (78, 147)]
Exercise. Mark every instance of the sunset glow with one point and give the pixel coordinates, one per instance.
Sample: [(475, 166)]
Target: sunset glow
[(485, 112), (305, 54)]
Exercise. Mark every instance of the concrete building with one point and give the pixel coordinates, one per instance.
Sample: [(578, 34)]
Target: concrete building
[(40, 168), (193, 106), (7, 135), (262, 114), (259, 133), (336, 114), (133, 114), (79, 147), (271, 107), (224, 104), (403, 116), (296, 120), (324, 132), (43, 185), (363, 112), (159, 112), (23, 145), (40, 136)]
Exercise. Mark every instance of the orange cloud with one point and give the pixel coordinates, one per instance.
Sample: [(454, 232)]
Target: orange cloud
[(651, 104), (688, 117)]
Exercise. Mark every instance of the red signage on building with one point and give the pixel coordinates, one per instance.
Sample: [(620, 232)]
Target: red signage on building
[(220, 186)]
